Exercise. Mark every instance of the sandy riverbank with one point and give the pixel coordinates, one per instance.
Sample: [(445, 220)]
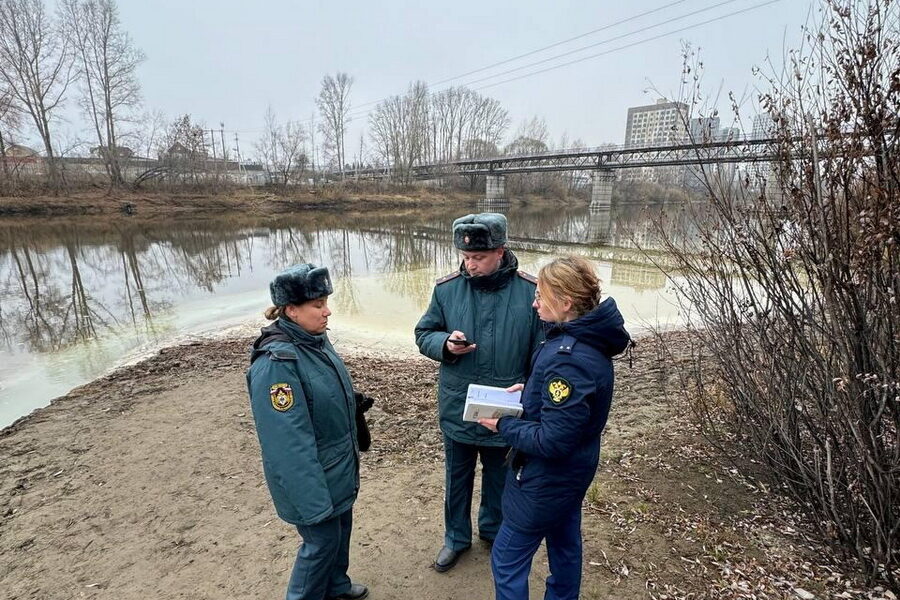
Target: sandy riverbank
[(148, 484)]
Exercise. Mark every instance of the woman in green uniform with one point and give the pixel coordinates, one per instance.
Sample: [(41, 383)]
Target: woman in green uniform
[(304, 409)]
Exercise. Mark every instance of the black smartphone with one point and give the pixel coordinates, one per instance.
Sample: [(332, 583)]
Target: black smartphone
[(461, 342)]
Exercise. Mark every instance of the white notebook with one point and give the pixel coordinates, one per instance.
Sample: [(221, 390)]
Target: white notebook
[(488, 402)]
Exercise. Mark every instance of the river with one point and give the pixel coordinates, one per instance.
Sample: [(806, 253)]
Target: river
[(81, 296)]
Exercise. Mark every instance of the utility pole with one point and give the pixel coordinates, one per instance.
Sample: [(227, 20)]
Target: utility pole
[(224, 153), (359, 166), (240, 160), (237, 149), (312, 140), (212, 138), (222, 137)]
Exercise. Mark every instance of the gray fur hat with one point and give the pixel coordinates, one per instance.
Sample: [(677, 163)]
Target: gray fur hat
[(484, 231), (300, 283)]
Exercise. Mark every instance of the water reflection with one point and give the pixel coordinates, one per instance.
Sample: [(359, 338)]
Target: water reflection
[(76, 296), (599, 225)]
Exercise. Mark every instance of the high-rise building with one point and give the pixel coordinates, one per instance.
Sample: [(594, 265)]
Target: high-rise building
[(656, 124), (729, 134), (762, 173), (660, 124), (704, 129), (763, 127)]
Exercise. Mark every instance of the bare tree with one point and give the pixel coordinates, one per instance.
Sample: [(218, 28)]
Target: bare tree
[(150, 133), (9, 123), (399, 130), (464, 124), (107, 61), (334, 106), (794, 290), (282, 149), (35, 65), (184, 149)]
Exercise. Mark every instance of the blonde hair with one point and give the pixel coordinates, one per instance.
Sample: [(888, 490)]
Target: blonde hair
[(574, 278), (274, 312)]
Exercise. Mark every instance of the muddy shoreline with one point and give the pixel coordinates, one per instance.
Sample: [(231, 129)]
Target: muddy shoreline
[(258, 202), (147, 482)]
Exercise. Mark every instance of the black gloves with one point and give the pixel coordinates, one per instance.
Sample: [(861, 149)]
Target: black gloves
[(363, 403)]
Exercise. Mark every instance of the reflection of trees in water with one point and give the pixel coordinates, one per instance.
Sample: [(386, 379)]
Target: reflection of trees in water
[(341, 269), (79, 279), (79, 309), (35, 314), (134, 280)]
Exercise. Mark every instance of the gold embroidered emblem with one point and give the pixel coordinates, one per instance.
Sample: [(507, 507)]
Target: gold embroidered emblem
[(282, 396), (559, 390)]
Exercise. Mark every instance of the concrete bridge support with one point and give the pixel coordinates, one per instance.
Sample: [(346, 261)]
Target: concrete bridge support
[(495, 188), (601, 188)]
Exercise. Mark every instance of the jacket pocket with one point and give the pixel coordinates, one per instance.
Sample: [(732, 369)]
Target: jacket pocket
[(339, 464), (332, 453)]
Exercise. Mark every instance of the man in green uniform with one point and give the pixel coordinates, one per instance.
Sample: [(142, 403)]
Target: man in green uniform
[(482, 329)]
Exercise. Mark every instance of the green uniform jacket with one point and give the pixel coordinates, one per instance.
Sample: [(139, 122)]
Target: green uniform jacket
[(496, 313), (303, 405)]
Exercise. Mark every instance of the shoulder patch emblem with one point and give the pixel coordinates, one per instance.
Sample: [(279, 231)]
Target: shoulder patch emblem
[(447, 278), (282, 396), (527, 276), (559, 390)]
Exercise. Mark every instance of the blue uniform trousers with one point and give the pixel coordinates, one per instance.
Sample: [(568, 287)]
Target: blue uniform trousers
[(320, 570), (513, 552), (459, 465)]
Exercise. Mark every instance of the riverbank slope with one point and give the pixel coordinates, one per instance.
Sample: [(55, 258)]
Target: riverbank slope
[(244, 200), (148, 483)]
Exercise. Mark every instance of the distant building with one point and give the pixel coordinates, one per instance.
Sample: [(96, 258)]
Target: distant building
[(727, 134), (660, 124), (657, 124), (705, 129), (121, 151), (763, 127), (179, 151), (762, 173), (19, 151)]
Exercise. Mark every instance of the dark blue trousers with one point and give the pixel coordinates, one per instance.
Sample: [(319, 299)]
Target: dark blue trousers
[(513, 552), (320, 570), (459, 465)]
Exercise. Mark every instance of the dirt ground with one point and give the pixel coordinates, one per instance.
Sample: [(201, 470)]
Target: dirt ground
[(148, 484), (100, 202)]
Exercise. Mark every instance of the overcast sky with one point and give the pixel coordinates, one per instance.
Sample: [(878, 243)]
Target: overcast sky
[(226, 60)]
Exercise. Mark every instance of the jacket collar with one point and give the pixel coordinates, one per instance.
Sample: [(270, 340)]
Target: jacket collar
[(300, 336), (603, 328)]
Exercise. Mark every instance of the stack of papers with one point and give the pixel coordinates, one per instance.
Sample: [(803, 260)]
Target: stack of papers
[(488, 402)]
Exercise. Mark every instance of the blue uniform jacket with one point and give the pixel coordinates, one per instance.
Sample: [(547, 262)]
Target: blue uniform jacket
[(495, 311), (566, 402), (304, 409)]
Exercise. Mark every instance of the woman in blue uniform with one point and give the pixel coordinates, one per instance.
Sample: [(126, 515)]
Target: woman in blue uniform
[(304, 408), (556, 443)]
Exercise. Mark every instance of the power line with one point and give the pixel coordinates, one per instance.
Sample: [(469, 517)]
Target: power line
[(602, 42), (560, 43), (605, 27), (354, 112), (650, 39), (357, 112)]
